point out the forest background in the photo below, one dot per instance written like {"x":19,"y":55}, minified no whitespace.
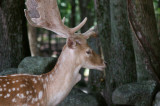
{"x":128,"y":39}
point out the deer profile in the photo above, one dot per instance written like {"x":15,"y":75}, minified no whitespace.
{"x":51,"y":88}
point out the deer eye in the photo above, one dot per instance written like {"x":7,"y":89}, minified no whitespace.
{"x":88,"y":51}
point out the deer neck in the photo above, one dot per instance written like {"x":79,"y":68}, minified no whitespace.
{"x":63,"y":77}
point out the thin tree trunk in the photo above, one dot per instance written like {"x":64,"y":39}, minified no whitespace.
{"x":14,"y":44}
{"x":49,"y":42}
{"x":73,"y":14}
{"x":32,"y":35}
{"x":158,"y":3}
{"x":85,"y":11}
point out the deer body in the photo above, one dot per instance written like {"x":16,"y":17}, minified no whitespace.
{"x":43,"y":90}
{"x":51,"y":88}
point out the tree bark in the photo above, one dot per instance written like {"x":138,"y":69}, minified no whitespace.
{"x":96,"y":78}
{"x":116,"y":41}
{"x":13,"y":34}
{"x":147,"y":48}
{"x":158,"y":3}
{"x":32,"y":35}
{"x":73,"y":14}
{"x":86,"y":11}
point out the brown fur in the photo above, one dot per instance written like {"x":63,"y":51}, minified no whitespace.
{"x":54,"y":85}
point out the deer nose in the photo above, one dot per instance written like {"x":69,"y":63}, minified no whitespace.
{"x":105,"y":63}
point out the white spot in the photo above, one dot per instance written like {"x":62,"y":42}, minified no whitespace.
{"x":17,"y":81}
{"x":22,"y":85}
{"x":34,"y":80}
{"x":0,"y":89}
{"x":50,"y":75}
{"x":13,"y":89}
{"x":5,"y":96}
{"x":4,"y":85}
{"x":7,"y":82}
{"x":42,"y":80}
{"x":44,"y":86}
{"x":13,"y":100}
{"x":36,"y":99}
{"x":32,"y":100}
{"x":21,"y":95}
{"x":14,"y":75}
{"x":0,"y":95}
{"x":47,"y":79}
{"x":13,"y":82}
{"x":17,"y":89}
{"x":8,"y":95}
{"x":27,"y":92}
{"x":9,"y":90}
{"x":40,"y":94}
{"x":5,"y":89}
{"x":35,"y":91}
{"x":18,"y":94}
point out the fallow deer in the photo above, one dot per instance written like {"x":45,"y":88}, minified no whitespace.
{"x":51,"y":88}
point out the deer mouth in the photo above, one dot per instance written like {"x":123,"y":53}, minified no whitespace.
{"x":101,"y":68}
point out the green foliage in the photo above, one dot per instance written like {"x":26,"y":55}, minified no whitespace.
{"x":156,"y":7}
{"x":65,"y":9}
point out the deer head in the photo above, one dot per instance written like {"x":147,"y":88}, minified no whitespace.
{"x":51,"y":88}
{"x":46,"y":14}
{"x":85,"y":56}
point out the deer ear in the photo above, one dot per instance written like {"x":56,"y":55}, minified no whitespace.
{"x":71,"y":43}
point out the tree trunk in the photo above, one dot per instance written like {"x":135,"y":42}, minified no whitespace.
{"x":158,"y":3}
{"x":96,"y":78}
{"x":49,"y":42}
{"x":73,"y":14}
{"x":116,"y":41}
{"x":32,"y":35}
{"x":147,"y":49}
{"x":13,"y":34}
{"x":86,"y":11}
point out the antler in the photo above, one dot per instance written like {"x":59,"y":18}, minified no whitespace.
{"x":91,"y":32}
{"x":45,"y":14}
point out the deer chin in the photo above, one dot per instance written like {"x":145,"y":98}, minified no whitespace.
{"x":100,"y":68}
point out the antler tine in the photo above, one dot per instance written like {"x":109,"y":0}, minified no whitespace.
{"x":73,"y":30}
{"x":91,"y":32}
{"x":48,"y":17}
{"x":63,"y":20}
